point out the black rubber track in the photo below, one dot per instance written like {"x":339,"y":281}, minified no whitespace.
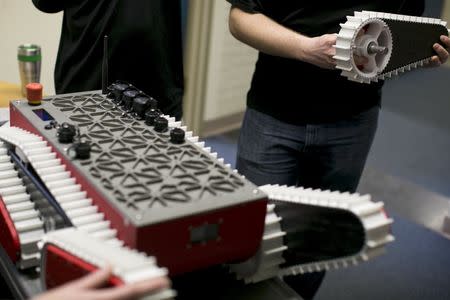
{"x":412,"y":42}
{"x":316,"y":233}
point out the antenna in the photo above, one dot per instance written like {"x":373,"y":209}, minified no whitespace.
{"x":105,"y":66}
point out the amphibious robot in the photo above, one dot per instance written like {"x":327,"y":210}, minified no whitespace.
{"x":103,"y":177}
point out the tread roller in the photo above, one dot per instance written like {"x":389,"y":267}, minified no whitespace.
{"x":312,"y":230}
{"x":374,"y":46}
{"x":59,"y":182}
{"x":89,"y":247}
{"x":21,"y":226}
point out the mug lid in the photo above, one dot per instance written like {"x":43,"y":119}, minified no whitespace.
{"x":29,"y":52}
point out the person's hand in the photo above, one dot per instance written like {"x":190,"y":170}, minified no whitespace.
{"x":90,"y":286}
{"x":442,"y":52}
{"x":320,"y":50}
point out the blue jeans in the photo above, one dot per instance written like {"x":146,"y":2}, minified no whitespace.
{"x":328,"y":156}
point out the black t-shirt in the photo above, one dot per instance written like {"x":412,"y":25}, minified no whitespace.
{"x":144,"y":46}
{"x":298,"y":92}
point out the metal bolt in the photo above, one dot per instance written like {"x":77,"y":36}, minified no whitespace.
{"x":373,"y":48}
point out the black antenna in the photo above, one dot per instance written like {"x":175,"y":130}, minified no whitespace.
{"x":105,"y":66}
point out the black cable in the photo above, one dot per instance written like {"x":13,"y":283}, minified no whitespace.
{"x":105,"y":66}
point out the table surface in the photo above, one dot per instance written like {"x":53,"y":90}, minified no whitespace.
{"x":8,"y":92}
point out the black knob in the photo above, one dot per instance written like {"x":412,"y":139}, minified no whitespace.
{"x":177,"y":136}
{"x":128,"y":97}
{"x":151,"y":116}
{"x":117,"y":91}
{"x":161,"y":124}
{"x":66,"y":133}
{"x":140,"y":105}
{"x":110,"y":90}
{"x":83,"y":150}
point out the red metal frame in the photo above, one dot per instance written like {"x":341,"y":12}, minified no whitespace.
{"x":240,"y":230}
{"x":60,"y":267}
{"x":8,"y":234}
{"x":170,"y":241}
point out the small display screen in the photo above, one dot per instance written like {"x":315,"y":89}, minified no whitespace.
{"x":43,"y":114}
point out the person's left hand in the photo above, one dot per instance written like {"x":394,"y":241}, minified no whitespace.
{"x":90,"y":287}
{"x":442,"y":52}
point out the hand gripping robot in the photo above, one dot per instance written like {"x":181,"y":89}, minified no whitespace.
{"x":97,"y":178}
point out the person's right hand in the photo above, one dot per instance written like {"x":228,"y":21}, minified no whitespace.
{"x":442,"y":52}
{"x":320,"y":50}
{"x":90,"y":286}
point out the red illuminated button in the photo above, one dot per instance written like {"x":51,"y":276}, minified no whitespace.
{"x":34,"y":93}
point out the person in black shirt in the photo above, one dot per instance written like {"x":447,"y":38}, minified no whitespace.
{"x":293,"y":132}
{"x":145,"y":46}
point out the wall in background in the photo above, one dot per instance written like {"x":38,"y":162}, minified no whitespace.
{"x":218,"y":70}
{"x":446,"y":11}
{"x":229,"y":62}
{"x":21,"y":22}
{"x":230,"y":67}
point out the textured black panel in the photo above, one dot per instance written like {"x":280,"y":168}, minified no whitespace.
{"x":315,"y":233}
